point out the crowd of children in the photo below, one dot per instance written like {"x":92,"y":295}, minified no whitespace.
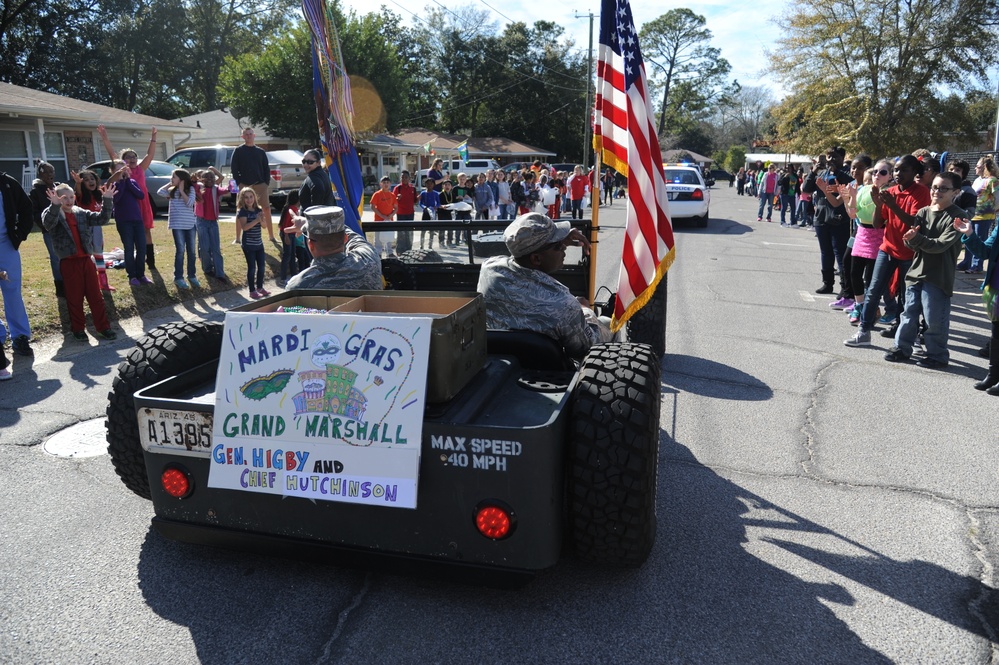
{"x":895,"y":229}
{"x":490,"y":195}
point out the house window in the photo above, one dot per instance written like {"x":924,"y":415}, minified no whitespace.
{"x":55,"y":153}
{"x":13,"y":153}
{"x":20,"y":149}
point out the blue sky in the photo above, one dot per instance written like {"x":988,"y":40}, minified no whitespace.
{"x":741,"y":30}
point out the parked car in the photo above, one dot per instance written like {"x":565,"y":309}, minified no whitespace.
{"x":285,"y":166}
{"x":687,"y":193}
{"x":157,"y":175}
{"x":715,"y":175}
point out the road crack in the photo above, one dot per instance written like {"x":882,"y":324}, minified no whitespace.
{"x":343,"y":617}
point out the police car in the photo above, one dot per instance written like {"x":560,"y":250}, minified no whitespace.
{"x":687,"y":192}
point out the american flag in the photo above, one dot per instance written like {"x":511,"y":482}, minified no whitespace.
{"x":625,"y":134}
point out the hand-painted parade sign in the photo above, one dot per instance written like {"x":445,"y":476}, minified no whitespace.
{"x":323,"y":406}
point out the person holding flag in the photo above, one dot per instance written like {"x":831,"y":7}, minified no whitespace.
{"x":624,"y":137}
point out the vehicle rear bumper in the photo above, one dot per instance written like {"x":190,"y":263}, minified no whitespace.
{"x":329,"y":553}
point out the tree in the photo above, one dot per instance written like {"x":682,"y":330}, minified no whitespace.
{"x":257,"y":85}
{"x":220,"y":29}
{"x":982,"y":109}
{"x":675,"y":47}
{"x":883,"y":90}
{"x":274,"y":86}
{"x":745,"y":116}
{"x":736,"y":158}
{"x":548,"y":86}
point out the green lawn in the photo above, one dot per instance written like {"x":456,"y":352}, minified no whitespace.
{"x":48,"y":314}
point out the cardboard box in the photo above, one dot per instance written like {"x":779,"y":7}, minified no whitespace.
{"x":457,"y":335}
{"x":313,"y":300}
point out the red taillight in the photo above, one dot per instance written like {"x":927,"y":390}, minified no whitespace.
{"x":697,"y":195}
{"x":493,"y":522}
{"x":176,"y":482}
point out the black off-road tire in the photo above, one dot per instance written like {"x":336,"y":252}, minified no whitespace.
{"x":166,"y":351}
{"x":397,"y":275}
{"x":613,"y":459}
{"x":420,"y":256}
{"x":648,"y":325}
{"x":489,"y":244}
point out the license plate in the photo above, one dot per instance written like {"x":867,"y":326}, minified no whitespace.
{"x":671,"y":195}
{"x":165,"y":430}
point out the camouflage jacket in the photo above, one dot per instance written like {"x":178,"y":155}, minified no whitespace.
{"x":519,"y":298}
{"x":357,"y":267}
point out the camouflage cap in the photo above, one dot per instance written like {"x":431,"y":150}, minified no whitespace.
{"x":323,"y":221}
{"x":529,"y":233}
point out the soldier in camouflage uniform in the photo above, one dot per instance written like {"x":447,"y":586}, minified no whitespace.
{"x":521,"y":294}
{"x":343,"y":259}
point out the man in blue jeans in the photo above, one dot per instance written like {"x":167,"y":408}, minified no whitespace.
{"x":789,"y":188}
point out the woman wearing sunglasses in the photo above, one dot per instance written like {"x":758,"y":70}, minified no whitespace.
{"x":317,"y":189}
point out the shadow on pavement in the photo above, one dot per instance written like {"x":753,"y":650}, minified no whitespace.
{"x":25,"y":389}
{"x":700,"y":376}
{"x":706,"y":595}
{"x":715,"y":226}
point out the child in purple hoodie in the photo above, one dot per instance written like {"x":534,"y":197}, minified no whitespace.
{"x":128,"y":220}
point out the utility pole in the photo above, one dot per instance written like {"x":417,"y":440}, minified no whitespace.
{"x":588,"y":110}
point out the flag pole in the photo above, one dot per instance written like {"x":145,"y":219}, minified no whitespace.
{"x":595,"y":222}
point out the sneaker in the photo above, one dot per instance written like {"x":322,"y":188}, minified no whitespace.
{"x":824,"y":289}
{"x":145,"y":280}
{"x":263,"y":292}
{"x":896,"y":355}
{"x":223,"y":279}
{"x":855,"y":314}
{"x":21,"y":346}
{"x":108,"y":334}
{"x":842,"y":303}
{"x":255,"y":295}
{"x":759,"y":219}
{"x":918,"y":350}
{"x":182,"y":284}
{"x":80,"y":335}
{"x":194,"y":282}
{"x":886,"y":319}
{"x":930,"y":363}
{"x":861,"y":338}
{"x":890,"y":332}
{"x":5,"y":375}
{"x":134,"y":282}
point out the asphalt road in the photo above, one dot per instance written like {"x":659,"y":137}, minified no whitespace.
{"x":817,"y":505}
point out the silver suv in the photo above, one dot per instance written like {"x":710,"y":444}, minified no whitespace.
{"x":286,"y":169}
